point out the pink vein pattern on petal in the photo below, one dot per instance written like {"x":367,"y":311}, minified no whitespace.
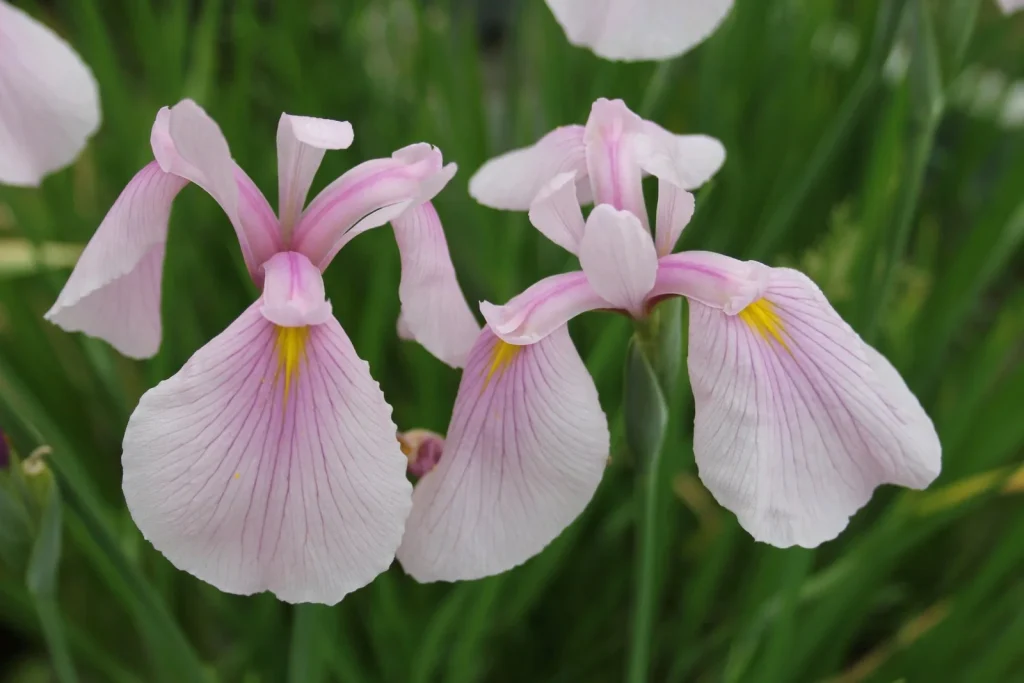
{"x":114,"y":291}
{"x":525,"y":451}
{"x":304,"y":496}
{"x":797,"y":420}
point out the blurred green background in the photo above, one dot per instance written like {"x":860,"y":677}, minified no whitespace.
{"x":876,"y":144}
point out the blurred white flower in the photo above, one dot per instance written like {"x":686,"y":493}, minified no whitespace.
{"x":1009,"y":6}
{"x":49,"y":101}
{"x":633,"y":30}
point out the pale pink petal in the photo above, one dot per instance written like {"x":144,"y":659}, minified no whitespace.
{"x":114,"y":291}
{"x":525,"y":451}
{"x":512,"y":180}
{"x":1010,"y":6}
{"x":675,"y":209}
{"x":369,"y":196}
{"x":556,"y":212}
{"x":543,"y":308}
{"x":618,"y":257}
{"x":797,"y":420}
{"x":301,"y":144}
{"x":434,"y":311}
{"x":293,"y":291}
{"x":712,"y":279}
{"x":686,"y":161}
{"x":189,"y":144}
{"x":639,"y":29}
{"x":269,"y":463}
{"x":49,"y":101}
{"x":616,"y":143}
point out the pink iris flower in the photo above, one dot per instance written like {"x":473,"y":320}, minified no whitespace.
{"x":49,"y":101}
{"x":797,"y":419}
{"x":639,"y":29}
{"x":269,"y":461}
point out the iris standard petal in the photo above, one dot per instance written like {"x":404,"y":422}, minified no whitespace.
{"x":543,"y":308}
{"x":525,"y":451}
{"x":639,"y":29}
{"x":114,"y":291}
{"x":797,"y":420}
{"x":189,"y":144}
{"x":434,"y":311}
{"x":269,"y":462}
{"x":618,"y":257}
{"x":512,"y":180}
{"x":49,"y":101}
{"x":615,"y":145}
{"x":556,"y":212}
{"x":369,"y":196}
{"x":301,"y":144}
{"x":675,"y":209}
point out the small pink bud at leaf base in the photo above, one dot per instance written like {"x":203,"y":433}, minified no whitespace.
{"x":423,"y":448}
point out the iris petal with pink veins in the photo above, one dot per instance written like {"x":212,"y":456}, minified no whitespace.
{"x":50,"y":104}
{"x":797,"y":419}
{"x":524,"y":453}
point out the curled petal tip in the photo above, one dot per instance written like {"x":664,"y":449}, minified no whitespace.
{"x":293,"y":292}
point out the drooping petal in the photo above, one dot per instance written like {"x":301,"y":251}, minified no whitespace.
{"x":556,"y":212}
{"x":369,"y":196}
{"x":301,"y":144}
{"x":615,"y":145}
{"x":1010,"y":6}
{"x":797,"y":420}
{"x":114,"y":291}
{"x":618,"y":257}
{"x":686,"y":161}
{"x":512,"y":180}
{"x":543,"y":308}
{"x":189,"y":144}
{"x":269,"y":462}
{"x":49,"y":101}
{"x":714,"y":280}
{"x":525,"y":451}
{"x":293,"y":291}
{"x":675,"y":209}
{"x":639,"y":29}
{"x":434,"y":311}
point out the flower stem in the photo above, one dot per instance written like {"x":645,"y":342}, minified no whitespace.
{"x":652,"y":369}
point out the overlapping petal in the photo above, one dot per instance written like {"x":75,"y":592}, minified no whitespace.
{"x":301,"y":144}
{"x":434,"y":311}
{"x":49,"y":100}
{"x":618,"y":258}
{"x":639,"y":29}
{"x":512,"y":180}
{"x":712,"y":279}
{"x":556,"y":212}
{"x":616,"y":145}
{"x":525,"y":451}
{"x":114,"y":291}
{"x":543,"y":308}
{"x":369,"y":196}
{"x":293,"y":291}
{"x":797,"y":420}
{"x":675,"y":209}
{"x":269,"y":462}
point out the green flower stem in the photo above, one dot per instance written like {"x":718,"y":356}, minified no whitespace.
{"x":652,"y":370}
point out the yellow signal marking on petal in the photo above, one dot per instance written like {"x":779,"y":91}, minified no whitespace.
{"x":501,"y":357}
{"x":762,"y":318}
{"x":291,"y":349}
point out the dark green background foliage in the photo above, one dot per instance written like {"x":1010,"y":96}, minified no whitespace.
{"x":898,"y":191}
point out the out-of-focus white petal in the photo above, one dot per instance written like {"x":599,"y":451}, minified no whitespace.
{"x":293,"y":291}
{"x":639,"y":29}
{"x":512,"y":180}
{"x":618,"y":257}
{"x":114,"y":291}
{"x":543,"y":308}
{"x":269,"y":462}
{"x":189,"y":144}
{"x":301,"y":144}
{"x":797,"y":420}
{"x":49,"y":101}
{"x":675,"y":209}
{"x":556,"y":212}
{"x":1010,"y":6}
{"x":368,"y":196}
{"x":525,"y":451}
{"x":434,"y":311}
